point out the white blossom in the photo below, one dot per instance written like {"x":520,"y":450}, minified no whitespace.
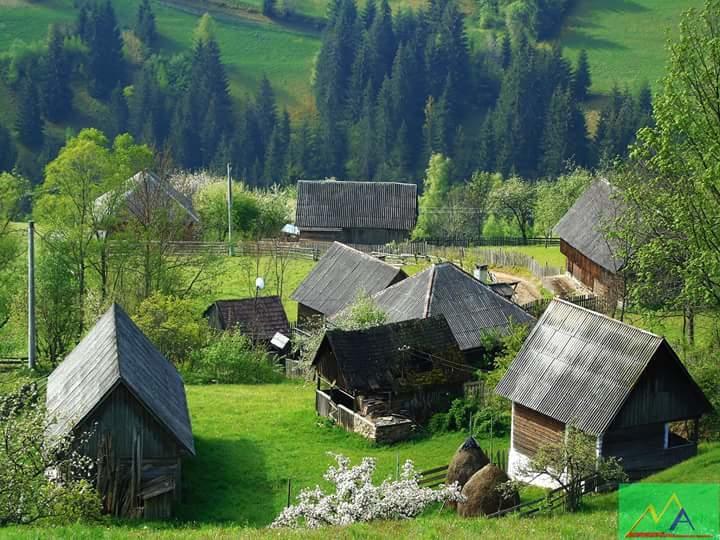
{"x":355,"y":497}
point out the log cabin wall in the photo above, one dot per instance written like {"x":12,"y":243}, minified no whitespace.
{"x":532,"y":429}
{"x":601,"y":281}
{"x":306,"y":316}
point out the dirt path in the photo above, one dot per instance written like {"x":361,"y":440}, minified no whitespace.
{"x":564,"y":286}
{"x":526,"y":290}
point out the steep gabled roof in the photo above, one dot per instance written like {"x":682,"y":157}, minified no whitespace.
{"x":340,"y":275}
{"x":584,"y":225}
{"x":331,"y":204}
{"x":145,"y":193}
{"x":375,"y":358}
{"x":115,"y":351}
{"x":472,"y":309}
{"x":260,"y":317}
{"x":579,"y":367}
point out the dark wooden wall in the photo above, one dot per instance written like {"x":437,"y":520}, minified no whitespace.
{"x":532,"y":429}
{"x":357,"y":236}
{"x":664,"y":393}
{"x":595,"y":277}
{"x":122,"y":415}
{"x":213,"y":317}
{"x":307,"y":316}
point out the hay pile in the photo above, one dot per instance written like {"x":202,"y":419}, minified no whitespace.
{"x":468,"y":459}
{"x":482,"y":497}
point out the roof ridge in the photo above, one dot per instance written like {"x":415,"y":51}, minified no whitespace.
{"x":596,"y":313}
{"x":328,"y":181}
{"x":365,"y":255}
{"x":429,"y":294}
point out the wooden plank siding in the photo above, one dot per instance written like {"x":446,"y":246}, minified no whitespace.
{"x":122,"y":415}
{"x":532,"y":429}
{"x":601,"y":281}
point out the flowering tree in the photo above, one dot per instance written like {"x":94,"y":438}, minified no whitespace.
{"x":41,"y":477}
{"x":356,"y":498}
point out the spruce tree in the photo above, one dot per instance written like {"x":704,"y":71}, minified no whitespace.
{"x":555,"y":136}
{"x":119,"y":111}
{"x":55,"y":89}
{"x":368,"y":14}
{"x":29,"y":123}
{"x":145,"y":27}
{"x":266,"y":111}
{"x":8,"y":151}
{"x":105,"y":56}
{"x":581,"y":78}
{"x":268,"y":8}
{"x":506,"y":51}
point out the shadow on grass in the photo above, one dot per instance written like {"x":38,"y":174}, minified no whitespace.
{"x":227,"y":482}
{"x":578,"y":39}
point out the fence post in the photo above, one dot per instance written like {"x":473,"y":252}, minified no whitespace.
{"x":288,"y":491}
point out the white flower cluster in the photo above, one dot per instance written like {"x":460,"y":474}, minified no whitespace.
{"x":356,"y":498}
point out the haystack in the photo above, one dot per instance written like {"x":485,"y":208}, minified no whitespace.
{"x":468,"y":459}
{"x":481,"y":494}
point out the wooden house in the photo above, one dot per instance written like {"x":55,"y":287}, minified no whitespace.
{"x":389,"y":376}
{"x":623,"y":386}
{"x":593,"y":258}
{"x":356,"y":212}
{"x":118,"y":388}
{"x":147,"y":199}
{"x":472,"y":309}
{"x":337,"y":279}
{"x":260,"y":318}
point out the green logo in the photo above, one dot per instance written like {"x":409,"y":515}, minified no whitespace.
{"x":668,"y":511}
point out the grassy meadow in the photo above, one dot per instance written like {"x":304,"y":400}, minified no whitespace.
{"x":625,"y":39}
{"x":251,"y":439}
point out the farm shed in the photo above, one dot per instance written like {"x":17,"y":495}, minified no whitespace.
{"x":340,"y":275}
{"x":623,"y":386}
{"x":116,"y":386}
{"x":592,"y":257}
{"x":356,"y":212}
{"x":405,"y":370}
{"x":260,"y":318}
{"x":146,"y":198}
{"x":472,"y":308}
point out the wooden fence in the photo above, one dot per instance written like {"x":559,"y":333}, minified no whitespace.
{"x":12,"y":362}
{"x":475,"y":390}
{"x":589,"y":301}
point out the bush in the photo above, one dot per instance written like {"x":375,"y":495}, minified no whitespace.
{"x":231,"y":358}
{"x":172,"y":325}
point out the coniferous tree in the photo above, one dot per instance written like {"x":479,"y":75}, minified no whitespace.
{"x":119,"y":111}
{"x":8,"y":152}
{"x":105,"y":56}
{"x":555,"y":136}
{"x":266,"y":111}
{"x":29,"y":123}
{"x":145,"y":27}
{"x":581,"y":78}
{"x":384,"y":126}
{"x":55,"y":89}
{"x":268,"y":8}
{"x":368,"y":14}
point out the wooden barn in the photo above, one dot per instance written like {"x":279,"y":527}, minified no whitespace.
{"x":145,"y":199}
{"x":356,"y":212}
{"x":592,"y":257}
{"x":472,"y":308}
{"x":380,"y":380}
{"x":340,"y":275}
{"x":117,"y":387}
{"x":260,"y":318}
{"x":623,"y":386}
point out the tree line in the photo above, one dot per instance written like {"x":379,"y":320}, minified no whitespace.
{"x":389,"y":91}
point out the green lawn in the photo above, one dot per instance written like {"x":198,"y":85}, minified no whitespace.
{"x":251,"y":439}
{"x":625,"y":39}
{"x":250,"y":49}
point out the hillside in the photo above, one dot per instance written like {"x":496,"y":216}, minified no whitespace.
{"x":625,"y":39}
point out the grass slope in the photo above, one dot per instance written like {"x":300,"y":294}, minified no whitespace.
{"x":249,"y":48}
{"x":625,"y":39}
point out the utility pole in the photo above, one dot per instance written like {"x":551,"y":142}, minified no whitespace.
{"x":31,"y":295}
{"x":229,"y":209}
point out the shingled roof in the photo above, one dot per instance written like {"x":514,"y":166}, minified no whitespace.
{"x":472,"y":309}
{"x":584,"y":225}
{"x":372,"y":359}
{"x":115,"y":351}
{"x":340,"y":275}
{"x":579,"y":367}
{"x":261,"y":317}
{"x":144,"y":193}
{"x":331,"y":204}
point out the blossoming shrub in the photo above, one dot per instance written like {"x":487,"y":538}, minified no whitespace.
{"x":355,"y":497}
